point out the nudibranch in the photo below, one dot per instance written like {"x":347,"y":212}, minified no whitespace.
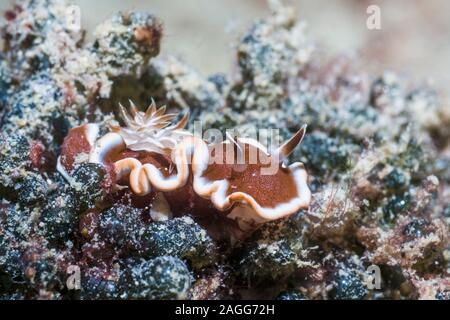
{"x":238,"y":176}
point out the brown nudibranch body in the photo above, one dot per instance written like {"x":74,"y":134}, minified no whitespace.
{"x":238,"y":176}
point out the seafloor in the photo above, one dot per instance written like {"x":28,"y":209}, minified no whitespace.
{"x":377,"y":152}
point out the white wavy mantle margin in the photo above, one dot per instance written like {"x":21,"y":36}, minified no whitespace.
{"x":142,"y":177}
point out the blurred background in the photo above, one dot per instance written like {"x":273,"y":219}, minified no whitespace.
{"x":414,"y":38}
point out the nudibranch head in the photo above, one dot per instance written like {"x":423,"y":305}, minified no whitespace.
{"x":260,"y":188}
{"x":238,"y":177}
